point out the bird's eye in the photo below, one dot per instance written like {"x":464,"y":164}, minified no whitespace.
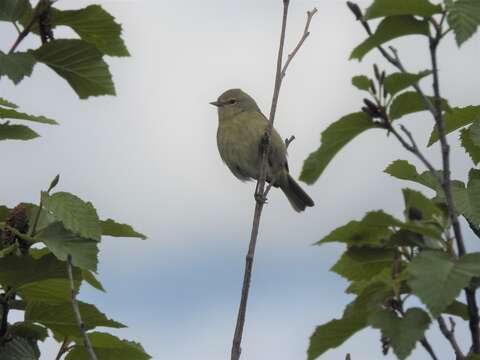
{"x":232,"y":101}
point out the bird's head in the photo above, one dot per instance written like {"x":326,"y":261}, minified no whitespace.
{"x":233,"y":102}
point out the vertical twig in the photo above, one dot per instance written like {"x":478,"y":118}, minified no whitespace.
{"x":260,"y":187}
{"x":76,"y":310}
{"x":450,"y":336}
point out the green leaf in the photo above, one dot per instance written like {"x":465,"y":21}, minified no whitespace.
{"x":61,"y":319}
{"x":12,"y":10}
{"x":112,"y":228}
{"x":7,"y":103}
{"x":403,"y":333}
{"x":16,"y":132}
{"x":16,"y":66}
{"x":108,"y":347}
{"x":463,"y":16}
{"x":13,"y":114}
{"x":411,"y":102}
{"x":381,"y":8}
{"x":19,"y":349}
{"x":334,"y":333}
{"x":363,"y":263}
{"x":28,"y":330}
{"x":62,"y":243}
{"x":78,"y":216}
{"x":425,"y":206}
{"x":390,"y":28}
{"x":402,"y":169}
{"x":455,"y":119}
{"x":4,"y":211}
{"x":396,"y":82}
{"x":361,"y":82}
{"x":334,"y":138}
{"x":92,"y":280}
{"x":80,"y":64}
{"x":44,"y":279}
{"x":458,"y":309}
{"x":470,"y":147}
{"x":94,"y":25}
{"x":475,"y":132}
{"x":437,"y":279}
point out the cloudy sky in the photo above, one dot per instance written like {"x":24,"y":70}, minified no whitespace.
{"x":149,"y":157}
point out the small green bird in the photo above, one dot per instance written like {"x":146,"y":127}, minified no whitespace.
{"x":241,"y":127}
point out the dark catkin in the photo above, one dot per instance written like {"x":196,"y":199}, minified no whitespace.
{"x":17,"y":219}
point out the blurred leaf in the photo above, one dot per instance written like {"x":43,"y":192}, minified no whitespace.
{"x":112,"y":228}
{"x":361,"y":82}
{"x":381,"y":8}
{"x":94,"y":25}
{"x":403,"y":333}
{"x":455,"y":119}
{"x":357,"y":287}
{"x":411,"y":102}
{"x":463,"y":16}
{"x":4,"y":211}
{"x":80,"y":63}
{"x":19,"y":349}
{"x":13,"y":114}
{"x":467,"y":143}
{"x":390,"y":28}
{"x":28,"y":330}
{"x":437,"y":279}
{"x":78,"y":216}
{"x":44,"y":279}
{"x":61,"y":319}
{"x":396,"y":82}
{"x":334,"y":138}
{"x":62,"y":242}
{"x":92,"y":280}
{"x":458,"y":309}
{"x":108,"y":347}
{"x":12,"y":10}
{"x":416,"y":200}
{"x":363,"y":263}
{"x":16,"y":132}
{"x":475,"y":132}
{"x":16,"y":66}
{"x":7,"y":103}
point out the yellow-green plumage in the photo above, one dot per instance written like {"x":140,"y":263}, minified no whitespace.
{"x":241,"y":127}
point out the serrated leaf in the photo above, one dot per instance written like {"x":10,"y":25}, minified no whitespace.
{"x":16,"y":132}
{"x":62,"y":243}
{"x":402,"y":169}
{"x":363,"y":263}
{"x":403,"y":333}
{"x":13,"y":114}
{"x":16,"y":66}
{"x":80,"y":64}
{"x":108,"y":347}
{"x":361,"y":82}
{"x":463,"y":16}
{"x":20,"y":349}
{"x":61,"y":319}
{"x":411,"y":102}
{"x":44,"y":279}
{"x":333,"y":139}
{"x":7,"y":103}
{"x":112,"y":228}
{"x":425,"y":206}
{"x":467,"y":143}
{"x":455,"y":119}
{"x":335,"y":333}
{"x":12,"y":10}
{"x":76,"y":215}
{"x":459,"y":309}
{"x":28,"y":330}
{"x":92,"y":280}
{"x":390,"y":28}
{"x":396,"y":82}
{"x":94,"y":25}
{"x":381,"y":8}
{"x":437,"y":279}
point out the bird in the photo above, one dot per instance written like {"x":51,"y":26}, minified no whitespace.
{"x":240,"y":135}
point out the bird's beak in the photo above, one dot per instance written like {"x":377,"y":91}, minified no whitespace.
{"x":216,"y":103}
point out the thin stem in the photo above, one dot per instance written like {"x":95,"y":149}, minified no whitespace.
{"x":33,"y":230}
{"x":426,"y":345}
{"x":63,"y":348}
{"x":16,"y":27}
{"x":260,"y":187}
{"x":449,"y":334}
{"x":76,"y":310}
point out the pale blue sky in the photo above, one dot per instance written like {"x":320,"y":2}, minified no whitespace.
{"x":148,"y":157}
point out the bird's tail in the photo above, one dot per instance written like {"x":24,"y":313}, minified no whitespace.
{"x":298,"y":198}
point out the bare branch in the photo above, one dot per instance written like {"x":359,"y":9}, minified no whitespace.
{"x":76,"y":310}
{"x":426,"y":345}
{"x":260,"y":187}
{"x":449,"y":334}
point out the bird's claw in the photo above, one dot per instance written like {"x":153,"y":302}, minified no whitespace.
{"x":260,"y":198}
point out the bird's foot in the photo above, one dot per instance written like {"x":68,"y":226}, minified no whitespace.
{"x":260,"y":198}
